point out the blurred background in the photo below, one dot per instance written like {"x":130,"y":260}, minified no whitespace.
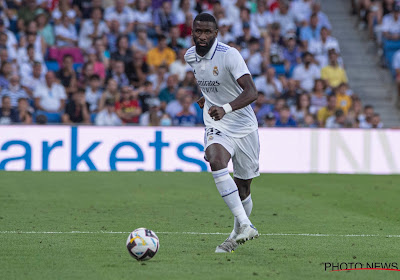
{"x":315,"y":63}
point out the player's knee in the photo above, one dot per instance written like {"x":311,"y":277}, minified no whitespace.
{"x":244,"y":193}
{"x":217,"y":163}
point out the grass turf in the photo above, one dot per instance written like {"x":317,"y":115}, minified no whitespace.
{"x":189,"y":202}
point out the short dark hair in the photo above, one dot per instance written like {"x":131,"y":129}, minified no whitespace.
{"x":207,"y":18}
{"x":94,"y":77}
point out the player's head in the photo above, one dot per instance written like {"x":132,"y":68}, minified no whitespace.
{"x":204,"y":32}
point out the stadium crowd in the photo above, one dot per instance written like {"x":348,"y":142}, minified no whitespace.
{"x":121,"y":62}
{"x":382,"y":20}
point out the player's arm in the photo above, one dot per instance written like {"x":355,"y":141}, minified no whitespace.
{"x":248,"y":96}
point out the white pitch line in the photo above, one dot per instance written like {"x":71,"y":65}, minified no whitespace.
{"x":201,"y":233}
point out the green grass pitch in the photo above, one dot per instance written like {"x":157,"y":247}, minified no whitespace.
{"x":174,"y":204}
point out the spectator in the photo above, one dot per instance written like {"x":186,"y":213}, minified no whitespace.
{"x":67,"y":75}
{"x":128,"y":108}
{"x":343,"y":101}
{"x":262,"y":18}
{"x":322,"y":17}
{"x":253,"y":57}
{"x":142,"y":42}
{"x":174,"y":41}
{"x":27,"y":10}
{"x":14,"y":91}
{"x":8,"y":115}
{"x":98,"y":66}
{"x":153,"y":116}
{"x":376,"y":121}
{"x":93,"y":93}
{"x":176,"y":105}
{"x":31,"y":81}
{"x":244,"y":40}
{"x":102,"y":53}
{"x":179,"y":67}
{"x":123,"y":52}
{"x":77,"y":109}
{"x":165,"y":120}
{"x":138,"y":70}
{"x":285,"y":120}
{"x":185,"y":117}
{"x":107,"y":116}
{"x":309,"y":121}
{"x":260,"y":108}
{"x":318,"y":96}
{"x":142,"y":15}
{"x":269,"y":85}
{"x":370,"y":119}
{"x":113,"y":35}
{"x":159,"y":78}
{"x":5,"y":73}
{"x":333,"y":74}
{"x":311,"y":31}
{"x":190,"y":83}
{"x":118,"y":73}
{"x":50,"y":96}
{"x":184,"y":8}
{"x":164,"y":18}
{"x":11,"y":39}
{"x":284,"y":16}
{"x":146,"y":95}
{"x":244,"y":27}
{"x":274,"y":45}
{"x":270,"y":120}
{"x":111,"y":93}
{"x":336,"y":121}
{"x":27,"y":61}
{"x":391,"y":24}
{"x":320,"y":48}
{"x":45,"y":29}
{"x":396,"y":67}
{"x":291,"y":52}
{"x":224,"y":36}
{"x":168,"y":93}
{"x":161,"y":54}
{"x":186,"y":28}
{"x":66,"y":35}
{"x":327,"y":111}
{"x":121,"y":13}
{"x":307,"y":72}
{"x":91,"y":29}
{"x":24,"y":114}
{"x":302,"y":109}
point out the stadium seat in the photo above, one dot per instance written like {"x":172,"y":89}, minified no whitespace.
{"x":51,"y":117}
{"x":52,"y":65}
{"x":93,"y":117}
{"x":390,"y":45}
{"x":279,"y":68}
{"x":78,"y":67}
{"x":58,"y":54}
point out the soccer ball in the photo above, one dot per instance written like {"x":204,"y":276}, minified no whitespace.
{"x":142,"y":244}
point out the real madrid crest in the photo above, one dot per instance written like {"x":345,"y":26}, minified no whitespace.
{"x":215,"y":71}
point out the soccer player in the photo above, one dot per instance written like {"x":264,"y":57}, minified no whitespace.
{"x":231,"y":125}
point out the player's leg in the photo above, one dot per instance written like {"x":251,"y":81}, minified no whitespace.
{"x":247,"y":202}
{"x":245,"y":167}
{"x":219,"y":157}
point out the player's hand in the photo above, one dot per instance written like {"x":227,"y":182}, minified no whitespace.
{"x":201,"y":102}
{"x":216,"y":113}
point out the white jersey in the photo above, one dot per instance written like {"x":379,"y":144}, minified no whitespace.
{"x":216,"y":74}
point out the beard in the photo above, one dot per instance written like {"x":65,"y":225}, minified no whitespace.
{"x":203,"y":50}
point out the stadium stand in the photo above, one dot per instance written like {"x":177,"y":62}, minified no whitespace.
{"x":121,"y":62}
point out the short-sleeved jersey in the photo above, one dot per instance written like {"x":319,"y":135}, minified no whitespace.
{"x":216,"y":74}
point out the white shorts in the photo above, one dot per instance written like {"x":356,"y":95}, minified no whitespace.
{"x":244,"y":151}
